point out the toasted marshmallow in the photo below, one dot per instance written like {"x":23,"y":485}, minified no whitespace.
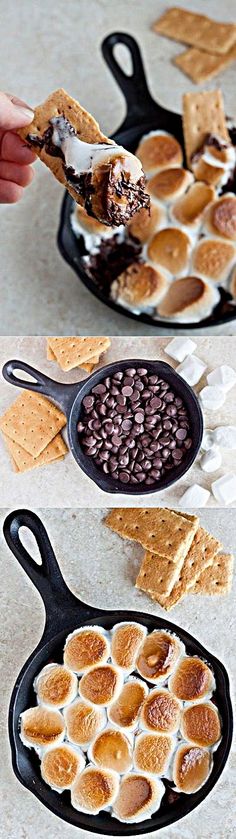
{"x":188,"y":210}
{"x":170,"y":248}
{"x":200,"y":724}
{"x":139,"y":796}
{"x":152,"y":753}
{"x":124,"y":713}
{"x":94,"y":790}
{"x":213,"y":258}
{"x":161,"y":712}
{"x":189,"y":300}
{"x":56,"y":686}
{"x":220,"y":218}
{"x":145,"y":222}
{"x":61,"y":765}
{"x":139,"y":287}
{"x":170,"y":184}
{"x":192,"y":680}
{"x":85,"y":648}
{"x":214,"y":161}
{"x":233,"y":283}
{"x":41,"y":727}
{"x":92,"y":230}
{"x":208,"y":172}
{"x":159,"y":150}
{"x":125,"y":644}
{"x":191,"y":768}
{"x":83,"y":722}
{"x":158,"y":656}
{"x":101,"y":685}
{"x":112,"y":750}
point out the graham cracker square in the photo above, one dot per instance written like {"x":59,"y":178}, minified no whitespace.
{"x":158,"y":530}
{"x":217,"y":579}
{"x":24,"y":461}
{"x":74,"y":351}
{"x":32,"y":422}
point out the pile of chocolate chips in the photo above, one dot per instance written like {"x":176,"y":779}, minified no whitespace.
{"x":134,"y":426}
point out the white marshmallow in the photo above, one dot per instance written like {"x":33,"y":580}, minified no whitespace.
{"x":179,"y":348}
{"x":225,"y":436}
{"x":211,"y":460}
{"x":212,"y":397}
{"x":224,"y":489}
{"x":207,"y":440}
{"x":195,"y":496}
{"x":224,"y":376}
{"x":191,"y":369}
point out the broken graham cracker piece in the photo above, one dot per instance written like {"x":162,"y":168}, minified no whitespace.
{"x":201,"y":66}
{"x":74,"y":351}
{"x":217,"y":579}
{"x":196,"y":29}
{"x":157,"y":574}
{"x":101,"y":176}
{"x":203,"y":113}
{"x":201,"y":554}
{"x":55,"y":450}
{"x":32,"y":421}
{"x":87,"y":366}
{"x":158,"y":530}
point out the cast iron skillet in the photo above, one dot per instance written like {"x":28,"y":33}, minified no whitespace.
{"x":143,"y":115}
{"x":69,"y":397}
{"x":64,"y":613}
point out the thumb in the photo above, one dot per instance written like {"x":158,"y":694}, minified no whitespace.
{"x":14,"y":113}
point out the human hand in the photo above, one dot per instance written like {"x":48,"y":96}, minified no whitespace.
{"x":15,"y":157}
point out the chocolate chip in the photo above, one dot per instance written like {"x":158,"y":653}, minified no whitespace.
{"x":134,"y":426}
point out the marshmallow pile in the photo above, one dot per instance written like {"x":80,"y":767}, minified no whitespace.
{"x":212,"y":397}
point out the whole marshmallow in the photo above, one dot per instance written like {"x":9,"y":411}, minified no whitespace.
{"x":207,"y":440}
{"x":212,"y":398}
{"x":223,"y":376}
{"x":211,"y":460}
{"x":195,"y":496}
{"x":224,"y":489}
{"x":225,"y":436}
{"x":191,"y":369}
{"x":179,"y":348}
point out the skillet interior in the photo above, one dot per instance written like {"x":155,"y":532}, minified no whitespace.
{"x":142,"y":117}
{"x":26,"y":763}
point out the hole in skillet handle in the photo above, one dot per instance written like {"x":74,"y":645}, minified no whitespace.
{"x":173,"y":806}
{"x":180,"y":387}
{"x":143,"y":115}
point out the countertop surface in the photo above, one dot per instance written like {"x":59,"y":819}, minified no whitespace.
{"x":42,"y":50}
{"x":87,"y":551}
{"x":64,"y":484}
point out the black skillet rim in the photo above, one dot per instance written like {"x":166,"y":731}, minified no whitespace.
{"x":148,"y":825}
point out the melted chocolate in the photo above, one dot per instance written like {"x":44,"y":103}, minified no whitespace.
{"x":113,"y":258}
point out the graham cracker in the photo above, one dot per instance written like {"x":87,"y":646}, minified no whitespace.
{"x":24,"y":461}
{"x":201,"y":555}
{"x":197,"y":30}
{"x":203,"y":113}
{"x":158,"y":574}
{"x":158,"y":530}
{"x":73,"y":351}
{"x":89,"y":367}
{"x":217,"y":579}
{"x":201,"y":66}
{"x":32,"y":422}
{"x":60,"y":103}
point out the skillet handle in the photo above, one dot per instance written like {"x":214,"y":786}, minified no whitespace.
{"x":64,"y":394}
{"x":59,"y":602}
{"x":140,"y":104}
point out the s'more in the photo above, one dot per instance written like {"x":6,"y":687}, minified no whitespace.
{"x":100,"y":175}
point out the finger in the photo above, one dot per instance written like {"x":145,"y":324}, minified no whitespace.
{"x":10,"y":193}
{"x":21,"y":175}
{"x":13,"y":148}
{"x":13,"y":112}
